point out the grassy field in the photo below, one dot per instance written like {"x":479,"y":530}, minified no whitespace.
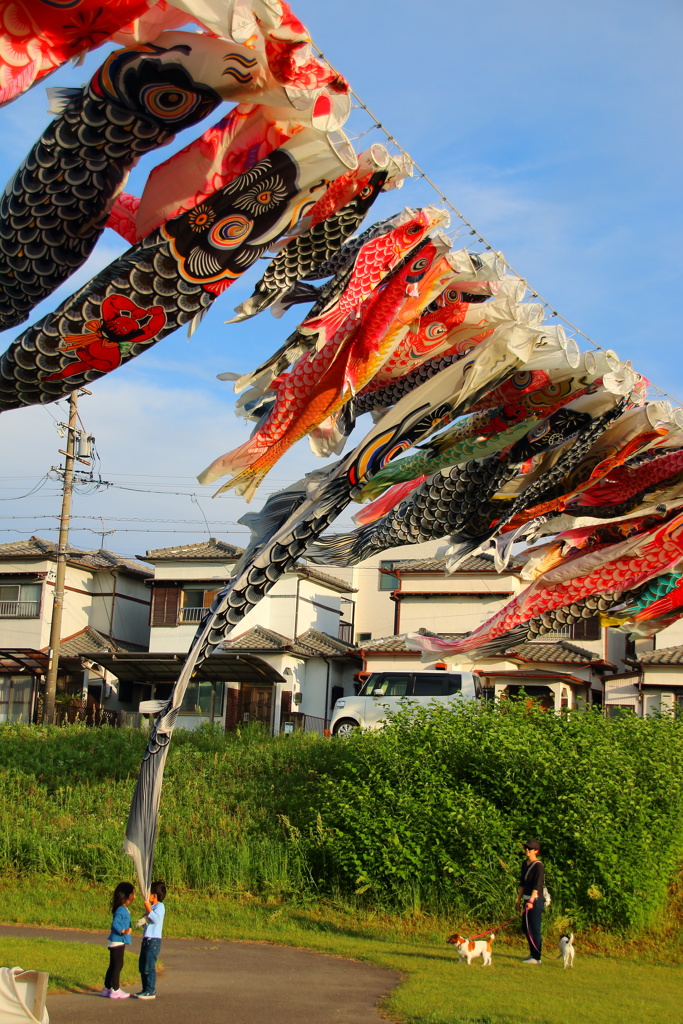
{"x":613,"y":982}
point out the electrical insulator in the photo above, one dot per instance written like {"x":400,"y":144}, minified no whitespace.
{"x":85,"y":446}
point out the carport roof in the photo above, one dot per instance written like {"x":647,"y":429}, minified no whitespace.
{"x":26,"y":659}
{"x":152,"y":667}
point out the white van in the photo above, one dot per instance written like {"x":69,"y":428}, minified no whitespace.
{"x":387,"y":691}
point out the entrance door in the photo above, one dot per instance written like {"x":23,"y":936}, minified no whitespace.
{"x":256,"y":704}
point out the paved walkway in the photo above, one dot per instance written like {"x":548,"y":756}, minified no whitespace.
{"x":212,"y":982}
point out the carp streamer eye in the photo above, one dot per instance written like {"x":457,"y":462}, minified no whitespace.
{"x":168,"y":103}
{"x":230,"y":232}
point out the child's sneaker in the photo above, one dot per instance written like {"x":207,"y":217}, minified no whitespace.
{"x":105,"y":992}
{"x":146,"y":995}
{"x":118,"y":993}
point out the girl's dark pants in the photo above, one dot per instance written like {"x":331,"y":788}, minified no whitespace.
{"x":112,"y":978}
{"x":531,"y":926}
{"x":147,"y":964}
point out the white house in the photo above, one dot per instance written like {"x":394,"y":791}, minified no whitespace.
{"x":559,"y":674}
{"x":106,"y":603}
{"x":653,"y":684}
{"x":288,"y":659}
{"x":409,"y":595}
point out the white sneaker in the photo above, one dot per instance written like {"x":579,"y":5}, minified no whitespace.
{"x":118,"y":993}
{"x":531,"y":960}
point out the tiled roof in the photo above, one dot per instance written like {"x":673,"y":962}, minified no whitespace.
{"x":205,"y":550}
{"x":311,"y":644}
{"x":316,"y":645}
{"x":666,"y":656}
{"x":36,"y":547}
{"x":475,"y":564}
{"x":397,"y":644}
{"x":213,"y":550}
{"x":89,"y":641}
{"x":312,"y":573}
{"x":560,"y":653}
{"x":257,"y":639}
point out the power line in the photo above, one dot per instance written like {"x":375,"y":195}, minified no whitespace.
{"x":131,"y":519}
{"x":41,"y":483}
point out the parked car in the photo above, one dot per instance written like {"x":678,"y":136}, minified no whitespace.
{"x":383,"y":692}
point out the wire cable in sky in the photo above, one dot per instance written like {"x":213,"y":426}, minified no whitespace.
{"x":41,"y":483}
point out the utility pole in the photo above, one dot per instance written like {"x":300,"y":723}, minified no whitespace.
{"x":58,"y":599}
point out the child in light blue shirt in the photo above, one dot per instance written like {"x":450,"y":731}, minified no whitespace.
{"x":151,"y":940}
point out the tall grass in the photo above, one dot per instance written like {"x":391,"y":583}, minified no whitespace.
{"x":66,"y":792}
{"x":427,"y":815}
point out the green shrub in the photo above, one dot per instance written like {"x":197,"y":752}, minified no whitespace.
{"x":428,"y":813}
{"x":436,"y":806}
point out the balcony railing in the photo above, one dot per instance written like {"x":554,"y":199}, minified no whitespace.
{"x":192,"y":614}
{"x":566,"y":633}
{"x":19,"y":609}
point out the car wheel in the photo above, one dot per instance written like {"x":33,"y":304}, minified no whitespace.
{"x":345,"y":728}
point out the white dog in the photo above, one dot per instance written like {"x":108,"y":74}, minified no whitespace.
{"x":469,"y":949}
{"x":566,"y":947}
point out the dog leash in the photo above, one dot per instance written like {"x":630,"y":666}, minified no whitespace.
{"x":549,"y":959}
{"x":489,"y":931}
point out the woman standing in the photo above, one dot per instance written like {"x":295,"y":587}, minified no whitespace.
{"x":530,"y":897}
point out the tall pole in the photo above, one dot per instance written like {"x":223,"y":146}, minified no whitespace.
{"x":58,"y":599}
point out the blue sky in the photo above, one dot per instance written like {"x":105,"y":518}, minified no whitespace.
{"x":555,"y":128}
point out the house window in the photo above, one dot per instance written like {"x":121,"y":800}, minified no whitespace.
{"x":197,"y":700}
{"x":386,"y":581}
{"x":587,"y":629}
{"x":15,"y":698}
{"x":195,"y":602}
{"x":20,"y":600}
{"x":165,"y":605}
{"x":362,"y":637}
{"x":616,"y":710}
{"x":345,"y":632}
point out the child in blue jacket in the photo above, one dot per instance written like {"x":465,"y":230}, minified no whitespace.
{"x":119,"y":938}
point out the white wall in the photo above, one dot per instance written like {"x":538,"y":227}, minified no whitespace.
{"x":131,"y":610}
{"x":622,"y":691}
{"x":318,"y":608}
{"x":663,"y":675}
{"x":446,"y":613}
{"x":672,"y":636}
{"x":181,"y":570}
{"x":374,"y":607}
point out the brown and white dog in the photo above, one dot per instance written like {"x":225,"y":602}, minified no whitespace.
{"x":469,"y":948}
{"x":566,"y":947}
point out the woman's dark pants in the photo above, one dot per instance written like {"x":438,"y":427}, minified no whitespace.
{"x":531,"y":926}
